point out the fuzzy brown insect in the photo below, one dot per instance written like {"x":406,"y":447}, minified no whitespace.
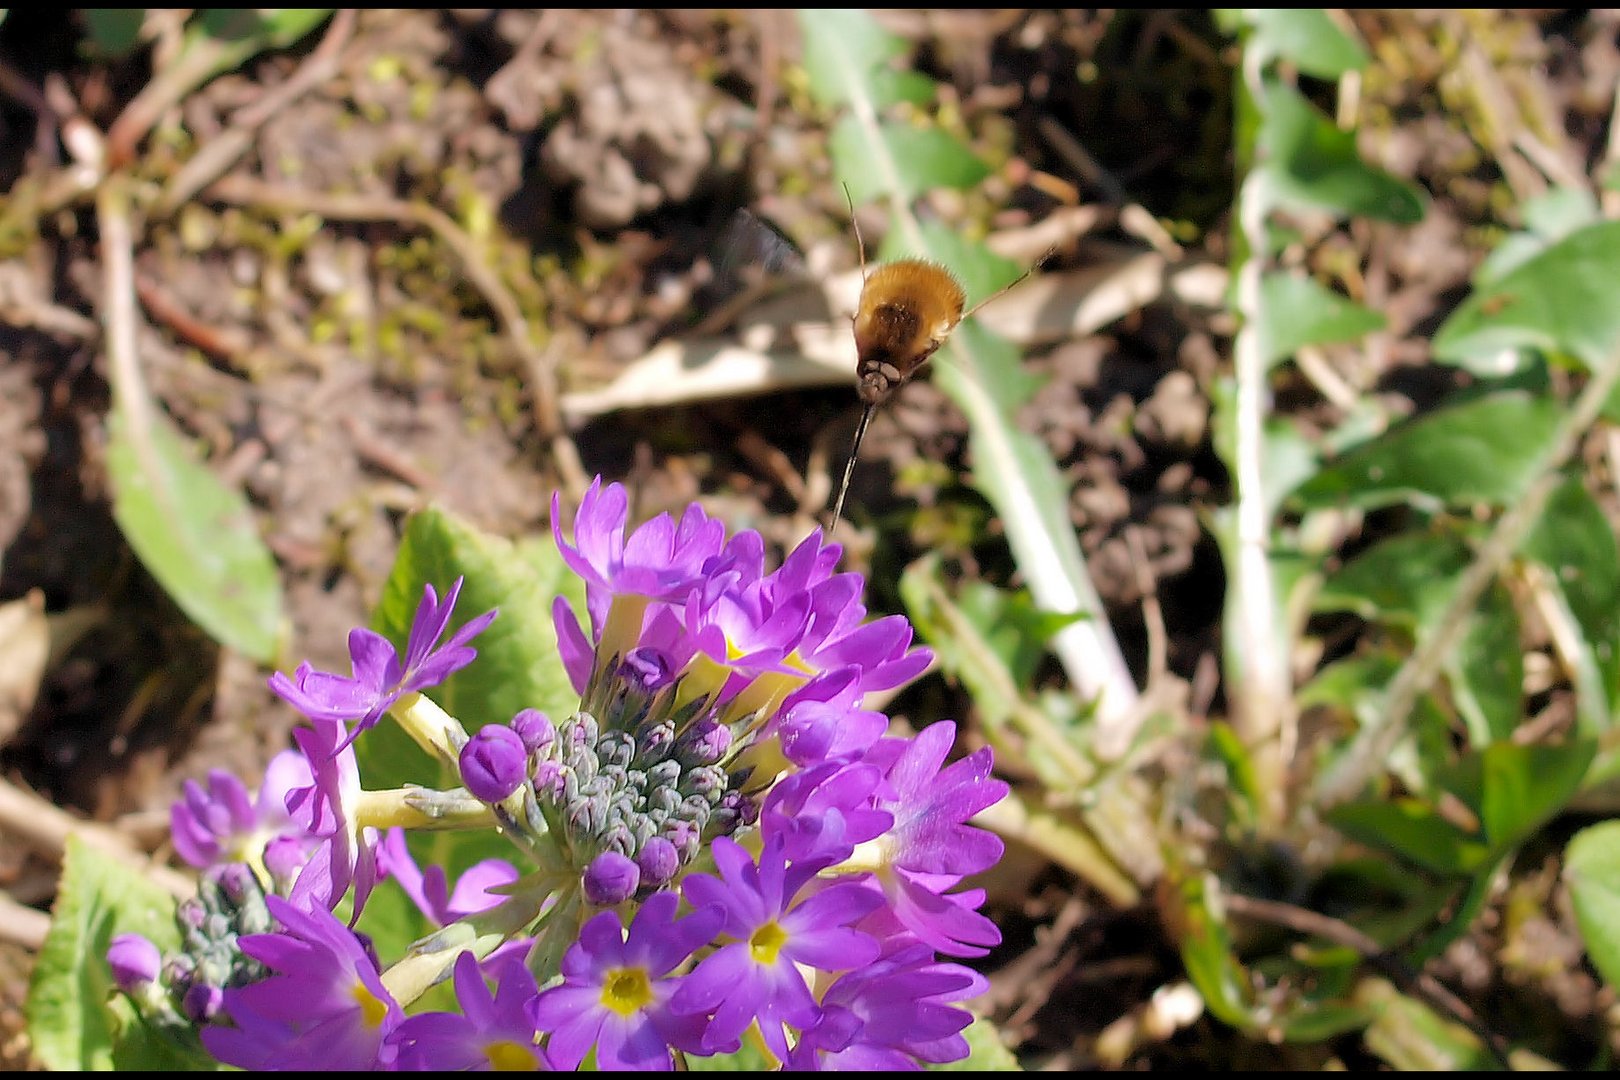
{"x":907,"y":310}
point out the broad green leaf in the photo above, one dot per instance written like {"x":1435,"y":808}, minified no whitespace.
{"x":1310,"y":163}
{"x":517,"y":666}
{"x":1592,"y":868}
{"x":1484,"y":451}
{"x":1012,"y":626}
{"x":196,"y":535}
{"x":1306,"y":37}
{"x":1573,"y":541}
{"x":1564,"y":300}
{"x":910,"y":161}
{"x":1413,"y":830}
{"x":1297,"y":311}
{"x":847,"y":56}
{"x":1548,"y":218}
{"x":1487,"y":670}
{"x":1403,"y":581}
{"x":1344,"y":683}
{"x":114,"y":31}
{"x":1523,"y":787}
{"x":70,"y":1020}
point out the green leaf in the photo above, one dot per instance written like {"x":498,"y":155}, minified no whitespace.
{"x":890,"y":156}
{"x":1487,"y":670}
{"x":265,"y":28}
{"x":1206,"y":952}
{"x":1307,"y":38}
{"x":518,"y":666}
{"x":847,"y":57}
{"x":1297,"y":311}
{"x":1309,"y":163}
{"x":1484,"y":451}
{"x":1592,"y":868}
{"x":1524,"y":786}
{"x":70,"y":1021}
{"x":114,"y":31}
{"x":196,"y":535}
{"x":1573,"y":541}
{"x":1415,"y":831}
{"x":1564,"y":300}
{"x":1410,"y":1036}
{"x":1404,"y":581}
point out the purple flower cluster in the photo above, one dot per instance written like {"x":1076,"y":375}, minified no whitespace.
{"x":721,"y":840}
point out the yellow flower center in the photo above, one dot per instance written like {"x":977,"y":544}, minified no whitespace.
{"x":508,"y":1056}
{"x":373,"y":1009}
{"x":626,"y":990}
{"x":766,"y":942}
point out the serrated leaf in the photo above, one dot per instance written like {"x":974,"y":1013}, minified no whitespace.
{"x":70,"y":1021}
{"x":1484,"y":451}
{"x":196,"y":535}
{"x":1566,"y":300}
{"x":1310,"y":163}
{"x":1307,"y":38}
{"x":889,"y":156}
{"x":1297,"y":311}
{"x":1592,"y":869}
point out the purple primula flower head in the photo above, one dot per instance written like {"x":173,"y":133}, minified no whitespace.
{"x":494,"y":763}
{"x":492,"y":1033}
{"x":134,"y":961}
{"x":474,"y":891}
{"x":890,"y":1014}
{"x":931,"y":847}
{"x":324,"y":1007}
{"x":775,"y":934}
{"x":380,"y":677}
{"x":616,"y":989}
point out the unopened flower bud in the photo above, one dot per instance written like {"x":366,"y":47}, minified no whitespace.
{"x":493,"y":763}
{"x":611,"y":879}
{"x":134,"y":962}
{"x":535,"y":729}
{"x":658,"y":861}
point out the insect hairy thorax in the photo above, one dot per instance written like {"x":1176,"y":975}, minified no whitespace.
{"x":907,"y":309}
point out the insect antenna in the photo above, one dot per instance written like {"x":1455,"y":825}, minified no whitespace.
{"x":1007,"y":288}
{"x":849,"y":467}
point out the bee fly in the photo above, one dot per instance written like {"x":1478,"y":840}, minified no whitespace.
{"x":907,"y":310}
